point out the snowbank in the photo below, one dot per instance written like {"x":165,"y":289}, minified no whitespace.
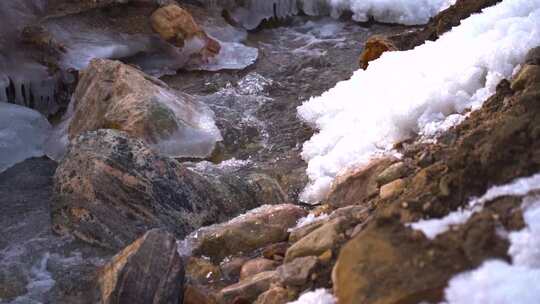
{"x":519,"y":187}
{"x":407,"y":93}
{"x":501,"y":282}
{"x":22,"y":134}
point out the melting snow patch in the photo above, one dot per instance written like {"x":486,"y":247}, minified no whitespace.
{"x":500,"y":282}
{"x":319,"y":296}
{"x":519,"y":187}
{"x":362,"y":116}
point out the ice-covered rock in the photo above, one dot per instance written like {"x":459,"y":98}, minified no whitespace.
{"x":111,"y":95}
{"x":361,"y":117}
{"x":22,"y":134}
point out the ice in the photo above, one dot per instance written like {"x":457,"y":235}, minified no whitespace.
{"x":318,"y":296}
{"x":22,"y":134}
{"x":518,"y":187}
{"x":252,"y":12}
{"x":361,"y":117}
{"x":501,"y":282}
{"x":232,"y":56}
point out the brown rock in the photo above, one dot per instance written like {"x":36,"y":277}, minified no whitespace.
{"x":194,"y":295}
{"x":392,"y":173}
{"x":275,"y":251}
{"x":176,"y":25}
{"x":320,"y":240}
{"x":248,"y":290}
{"x":148,"y":271}
{"x":112,"y":95}
{"x":357,"y":186}
{"x":255,"y":266}
{"x":392,"y":189}
{"x":201,"y":271}
{"x":274,"y":295}
{"x":297,"y":272}
{"x":231,"y":268}
{"x":375,"y":46}
{"x":388,"y":263}
{"x":253,"y":230}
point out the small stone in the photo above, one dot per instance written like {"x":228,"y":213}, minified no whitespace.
{"x":253,"y":267}
{"x":326,"y":257}
{"x":392,"y":189}
{"x":297,"y":272}
{"x":392,"y":173}
{"x":248,"y":289}
{"x":275,"y":295}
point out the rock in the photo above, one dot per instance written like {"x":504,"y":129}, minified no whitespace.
{"x":300,"y":232}
{"x":389,"y":263}
{"x":297,"y":273}
{"x":317,"y":242}
{"x":201,"y":271}
{"x":253,"y":230}
{"x":526,"y":78}
{"x":393,"y":172}
{"x":148,"y":271}
{"x":275,"y":295}
{"x":177,"y":26}
{"x":276,"y":251}
{"x":248,"y":290}
{"x":533,"y":56}
{"x":193,"y":295}
{"x":374,"y":47}
{"x":358,"y":185}
{"x":392,"y":189}
{"x":256,"y":266}
{"x":112,"y":95}
{"x":231,"y":268}
{"x":111,"y":188}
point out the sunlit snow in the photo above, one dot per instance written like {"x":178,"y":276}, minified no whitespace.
{"x":403,"y":93}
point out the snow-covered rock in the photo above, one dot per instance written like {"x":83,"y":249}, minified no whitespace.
{"x":22,"y":134}
{"x":362,"y":117}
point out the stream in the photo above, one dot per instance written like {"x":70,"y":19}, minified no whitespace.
{"x":255,"y":110}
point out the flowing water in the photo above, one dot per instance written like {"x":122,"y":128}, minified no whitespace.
{"x":255,"y":110}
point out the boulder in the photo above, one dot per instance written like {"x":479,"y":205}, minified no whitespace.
{"x":246,"y":233}
{"x":194,"y":295}
{"x":148,"y":271}
{"x":358,"y":185}
{"x":389,"y":263}
{"x":111,"y":188}
{"x":176,"y":25}
{"x":201,"y":271}
{"x":112,"y":95}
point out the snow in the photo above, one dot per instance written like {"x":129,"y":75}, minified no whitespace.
{"x":361,"y":117}
{"x":500,"y":282}
{"x":319,"y":296}
{"x":22,"y":134}
{"x":518,"y":187}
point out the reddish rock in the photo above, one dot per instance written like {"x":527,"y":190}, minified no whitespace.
{"x":256,"y":266}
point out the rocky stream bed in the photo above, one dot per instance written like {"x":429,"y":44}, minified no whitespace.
{"x":152,"y":152}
